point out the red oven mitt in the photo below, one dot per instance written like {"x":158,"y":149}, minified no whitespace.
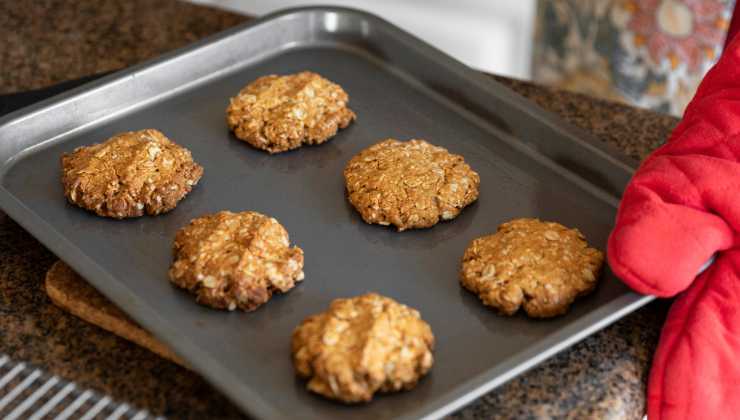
{"x":681,"y":208}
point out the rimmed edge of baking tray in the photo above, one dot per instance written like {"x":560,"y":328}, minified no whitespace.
{"x":245,"y":396}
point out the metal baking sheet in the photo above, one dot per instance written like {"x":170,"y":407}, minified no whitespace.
{"x":530,"y":163}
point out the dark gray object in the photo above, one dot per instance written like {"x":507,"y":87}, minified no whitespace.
{"x":531,"y":165}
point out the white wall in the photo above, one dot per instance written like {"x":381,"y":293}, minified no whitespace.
{"x":491,"y":35}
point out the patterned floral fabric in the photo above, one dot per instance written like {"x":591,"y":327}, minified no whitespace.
{"x":649,"y":53}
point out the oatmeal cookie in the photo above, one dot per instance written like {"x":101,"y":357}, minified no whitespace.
{"x":129,"y":175}
{"x":541,"y":266}
{"x":361,"y":346}
{"x":235,"y":260}
{"x":280,"y":113}
{"x":410,"y":184}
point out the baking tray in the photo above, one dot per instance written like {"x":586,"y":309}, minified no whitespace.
{"x":531,"y":165}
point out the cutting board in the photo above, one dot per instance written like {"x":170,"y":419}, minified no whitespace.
{"x":73,"y":294}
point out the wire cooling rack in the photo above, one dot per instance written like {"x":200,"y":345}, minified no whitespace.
{"x":27,"y":392}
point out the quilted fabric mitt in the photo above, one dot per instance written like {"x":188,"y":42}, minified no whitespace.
{"x":681,"y":208}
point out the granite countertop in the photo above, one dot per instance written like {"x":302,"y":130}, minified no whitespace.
{"x":48,"y":41}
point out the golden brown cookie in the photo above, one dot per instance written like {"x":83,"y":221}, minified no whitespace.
{"x":361,"y":346}
{"x":410,"y":184}
{"x":235,"y":260}
{"x":280,"y":113}
{"x":129,"y":175}
{"x":541,"y":266}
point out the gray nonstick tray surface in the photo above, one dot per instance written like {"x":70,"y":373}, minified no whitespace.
{"x":530,"y":163}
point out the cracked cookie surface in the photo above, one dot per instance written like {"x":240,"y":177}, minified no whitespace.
{"x":280,"y":113}
{"x":129,"y":175}
{"x":409,"y":184}
{"x":360,"y":346}
{"x":235,"y":260}
{"x":539,"y":266}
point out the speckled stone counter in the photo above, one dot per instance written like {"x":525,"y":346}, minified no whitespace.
{"x":44,"y":42}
